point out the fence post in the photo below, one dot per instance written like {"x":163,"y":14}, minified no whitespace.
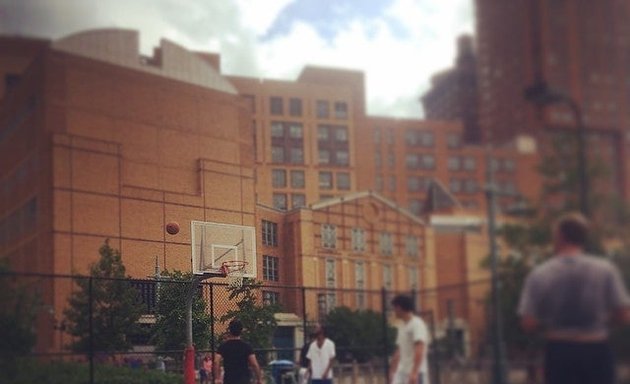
{"x":384,"y":330}
{"x":212,"y":337}
{"x":304,"y":313}
{"x":91,"y":327}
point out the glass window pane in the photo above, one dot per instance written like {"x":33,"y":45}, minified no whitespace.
{"x":279,"y":178}
{"x":343,"y":180}
{"x":277,"y":154}
{"x":298,"y":200}
{"x":322,"y":109}
{"x":325,"y":180}
{"x":280,"y":201}
{"x":297,"y":179}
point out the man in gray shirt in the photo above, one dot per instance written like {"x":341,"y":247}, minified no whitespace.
{"x":572,"y":298}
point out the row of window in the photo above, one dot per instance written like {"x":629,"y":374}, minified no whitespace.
{"x":322,"y":107}
{"x":279,"y":179}
{"x":281,"y":202}
{"x":457,"y":185}
{"x":360,"y":275}
{"x":419,"y":138}
{"x":358,"y":241}
{"x":457,"y":163}
{"x":326,"y":180}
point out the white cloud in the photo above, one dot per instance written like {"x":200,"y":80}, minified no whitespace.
{"x":397,"y":65}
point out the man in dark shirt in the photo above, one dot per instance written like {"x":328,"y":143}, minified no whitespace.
{"x":237,"y":357}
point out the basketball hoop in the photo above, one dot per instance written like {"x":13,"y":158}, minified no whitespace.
{"x":234,"y":271}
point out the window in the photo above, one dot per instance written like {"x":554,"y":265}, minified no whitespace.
{"x":386,"y":244}
{"x":359,"y":283}
{"x":341,"y":134}
{"x":414,"y":278}
{"x":453,"y":140}
{"x":325,"y":180}
{"x":509,"y":188}
{"x":377,"y":159}
{"x":358,"y":240}
{"x":275,"y":105}
{"x":455,"y":185}
{"x":323,"y":133}
{"x":415,"y":206}
{"x":341,"y":110}
{"x":277,"y":154}
{"x":270,"y":268}
{"x":415,"y":138}
{"x":277,"y":129}
{"x":297,"y":156}
{"x":377,"y":135}
{"x":411,"y":246}
{"x":295,"y":107}
{"x":279,"y":178}
{"x":392,"y":183}
{"x":391,"y":160}
{"x":322,"y":109}
{"x":388,"y":277}
{"x":295,"y":131}
{"x":470,"y":164}
{"x":298,"y":200}
{"x":280,"y":201}
{"x":325,"y":197}
{"x":342,"y":157}
{"x":390,"y":137}
{"x":269,"y":233}
{"x":331,"y":274}
{"x":508,"y":165}
{"x":412,"y":161}
{"x":470,"y":186}
{"x":329,"y":236}
{"x":428,"y":162}
{"x":343,"y":180}
{"x":297,"y":179}
{"x":379,"y":183}
{"x":454,"y":163}
{"x":417,"y":184}
{"x":271,"y":298}
{"x":324,"y":156}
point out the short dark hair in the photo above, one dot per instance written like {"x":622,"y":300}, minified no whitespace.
{"x":403,"y":302}
{"x":574,"y":228}
{"x":235,"y":327}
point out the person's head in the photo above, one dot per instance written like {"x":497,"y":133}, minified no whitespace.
{"x":570,"y":231}
{"x":320,"y":332}
{"x":403,"y":306}
{"x":235,"y":327}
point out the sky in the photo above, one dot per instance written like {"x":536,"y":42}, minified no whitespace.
{"x":398,"y":44}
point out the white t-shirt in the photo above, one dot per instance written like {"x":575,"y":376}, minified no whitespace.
{"x":320,"y":358}
{"x":410,"y":333}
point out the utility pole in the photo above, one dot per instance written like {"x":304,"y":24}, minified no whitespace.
{"x":498,"y":365}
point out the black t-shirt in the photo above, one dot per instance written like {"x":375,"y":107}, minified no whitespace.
{"x":235,"y":354}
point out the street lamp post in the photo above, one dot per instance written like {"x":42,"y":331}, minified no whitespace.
{"x":542,"y":95}
{"x":498,"y":366}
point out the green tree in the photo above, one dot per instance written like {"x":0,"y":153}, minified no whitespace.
{"x":18,"y":311}
{"x":259,"y":322}
{"x":115,"y":309}
{"x":169,"y":332}
{"x":358,"y":335}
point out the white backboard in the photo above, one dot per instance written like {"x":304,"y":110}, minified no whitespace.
{"x":215,"y":243}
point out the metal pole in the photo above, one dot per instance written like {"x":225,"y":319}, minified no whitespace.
{"x":498,"y":368}
{"x":212,"y":339}
{"x":189,"y":353}
{"x":91,"y":326}
{"x":304,"y":325}
{"x":581,"y":155}
{"x":384,"y":330}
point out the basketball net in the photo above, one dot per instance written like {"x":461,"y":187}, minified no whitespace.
{"x":234,"y":272}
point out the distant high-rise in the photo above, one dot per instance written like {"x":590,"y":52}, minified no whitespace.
{"x":581,"y":48}
{"x":453,"y":94}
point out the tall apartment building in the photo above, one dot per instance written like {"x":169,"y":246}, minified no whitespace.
{"x":305,"y":134}
{"x":453,"y":93}
{"x":405,"y":157}
{"x":581,"y":48}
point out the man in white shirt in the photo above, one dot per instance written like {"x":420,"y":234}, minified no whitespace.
{"x":321,"y":354}
{"x":409,"y":364}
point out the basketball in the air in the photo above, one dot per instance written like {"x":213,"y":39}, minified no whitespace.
{"x":172,"y":228}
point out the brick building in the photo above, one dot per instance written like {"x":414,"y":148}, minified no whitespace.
{"x":577,"y":47}
{"x":99,"y":142}
{"x":453,"y":93}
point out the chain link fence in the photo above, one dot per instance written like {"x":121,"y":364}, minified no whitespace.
{"x":82,"y":323}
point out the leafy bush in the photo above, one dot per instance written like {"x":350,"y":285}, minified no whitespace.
{"x":31,"y":371}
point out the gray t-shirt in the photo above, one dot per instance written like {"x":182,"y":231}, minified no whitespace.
{"x":574,"y":295}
